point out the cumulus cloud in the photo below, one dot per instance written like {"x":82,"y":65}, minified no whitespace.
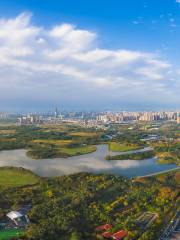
{"x":65,"y":61}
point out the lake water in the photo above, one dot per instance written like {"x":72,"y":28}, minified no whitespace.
{"x":93,"y":162}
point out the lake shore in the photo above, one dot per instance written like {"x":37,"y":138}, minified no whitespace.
{"x":93,"y":163}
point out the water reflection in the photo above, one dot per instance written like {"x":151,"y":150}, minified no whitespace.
{"x":93,"y":162}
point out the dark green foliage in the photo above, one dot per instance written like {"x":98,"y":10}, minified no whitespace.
{"x":70,"y":207}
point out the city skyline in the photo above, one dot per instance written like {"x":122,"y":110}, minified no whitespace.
{"x":92,"y":56}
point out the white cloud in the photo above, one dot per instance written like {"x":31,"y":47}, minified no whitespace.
{"x":65,"y":60}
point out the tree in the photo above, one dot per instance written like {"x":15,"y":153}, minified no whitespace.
{"x":74,"y":236}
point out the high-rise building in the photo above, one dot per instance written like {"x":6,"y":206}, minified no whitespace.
{"x":56,"y":112}
{"x":178,"y":118}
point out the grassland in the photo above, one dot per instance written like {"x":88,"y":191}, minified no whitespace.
{"x":84,"y":134}
{"x":55,"y":151}
{"x":10,"y":234}
{"x":117,"y":147}
{"x":7,"y":132}
{"x":7,"y":139}
{"x":16,"y":177}
{"x":54,"y":142}
{"x":79,"y":150}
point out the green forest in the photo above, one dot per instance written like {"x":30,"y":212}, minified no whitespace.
{"x":71,"y":207}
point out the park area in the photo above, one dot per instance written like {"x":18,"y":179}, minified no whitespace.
{"x":117,"y":147}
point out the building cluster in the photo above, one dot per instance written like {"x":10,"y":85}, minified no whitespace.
{"x":3,"y":115}
{"x":6,"y":115}
{"x":104,"y":232}
{"x":157,"y":116}
{"x":16,"y":219}
{"x":97,"y":119}
{"x":137,"y":116}
{"x":178,"y":118}
{"x":30,"y":119}
{"x":117,"y":117}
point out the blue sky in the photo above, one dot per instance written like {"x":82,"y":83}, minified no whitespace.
{"x":118,"y":54}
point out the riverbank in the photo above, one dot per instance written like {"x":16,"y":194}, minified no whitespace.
{"x":168,"y":158}
{"x":177,"y":169}
{"x":93,"y":162}
{"x":119,"y":147}
{"x":132,"y":156}
{"x":61,"y":152}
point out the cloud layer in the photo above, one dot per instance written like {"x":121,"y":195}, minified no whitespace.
{"x":65,"y":63}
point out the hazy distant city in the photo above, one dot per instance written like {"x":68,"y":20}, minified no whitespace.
{"x":91,"y":119}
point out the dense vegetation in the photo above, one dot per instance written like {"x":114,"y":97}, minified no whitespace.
{"x":54,"y":151}
{"x":50,"y":141}
{"x":70,"y":207}
{"x":64,"y":140}
{"x":166,"y":146}
{"x":168,"y":152}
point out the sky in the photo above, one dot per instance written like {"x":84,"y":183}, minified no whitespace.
{"x":89,"y":55}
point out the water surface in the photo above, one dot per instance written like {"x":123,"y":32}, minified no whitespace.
{"x":92,"y":162}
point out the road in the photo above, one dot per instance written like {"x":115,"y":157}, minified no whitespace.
{"x":173,"y":229}
{"x":158,"y":173}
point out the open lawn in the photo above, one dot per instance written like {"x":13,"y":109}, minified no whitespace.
{"x":117,"y":147}
{"x":78,"y":150}
{"x":56,"y":127}
{"x":84,"y":134}
{"x":7,"y":139}
{"x":9,"y":234}
{"x":4,"y":132}
{"x":14,"y":177}
{"x":54,"y":142}
{"x":43,"y":152}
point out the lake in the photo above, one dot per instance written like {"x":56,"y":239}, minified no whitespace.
{"x":92,"y":162}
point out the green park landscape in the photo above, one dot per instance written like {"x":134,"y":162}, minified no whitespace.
{"x":89,"y":120}
{"x":117,"y":147}
{"x":64,"y":140}
{"x":72,"y":206}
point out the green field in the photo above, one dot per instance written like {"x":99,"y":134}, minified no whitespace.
{"x":58,"y":151}
{"x":84,"y":134}
{"x":52,"y":141}
{"x":11,"y":177}
{"x":9,"y":234}
{"x":117,"y":147}
{"x":78,"y":150}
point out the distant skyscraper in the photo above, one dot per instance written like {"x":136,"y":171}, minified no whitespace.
{"x":56,"y":113}
{"x":178,"y":118}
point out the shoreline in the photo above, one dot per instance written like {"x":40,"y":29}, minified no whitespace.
{"x":93,"y":162}
{"x":158,"y":173}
